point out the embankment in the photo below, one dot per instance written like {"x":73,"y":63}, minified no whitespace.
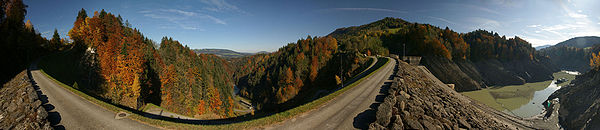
{"x":418,"y":100}
{"x":473,"y":75}
{"x":21,"y":107}
{"x":580,"y":102}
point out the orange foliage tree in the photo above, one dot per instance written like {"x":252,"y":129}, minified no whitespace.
{"x":595,"y":60}
{"x":119,"y":52}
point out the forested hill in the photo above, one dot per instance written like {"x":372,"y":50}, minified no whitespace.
{"x":225,"y":53}
{"x":117,"y":63}
{"x":469,"y":60}
{"x":296,"y":73}
{"x":20,"y":42}
{"x":573,"y":54}
{"x":580,"y":42}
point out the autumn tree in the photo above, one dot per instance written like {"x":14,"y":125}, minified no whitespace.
{"x":595,"y":60}
{"x":29,"y":26}
{"x":310,"y":64}
{"x":193,"y":84}
{"x":19,"y":42}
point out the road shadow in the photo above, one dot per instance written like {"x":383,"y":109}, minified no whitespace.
{"x":363,"y":119}
{"x":53,"y":117}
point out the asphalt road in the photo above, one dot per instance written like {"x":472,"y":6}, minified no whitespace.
{"x":69,"y":111}
{"x":346,"y":110}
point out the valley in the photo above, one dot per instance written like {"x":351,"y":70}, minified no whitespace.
{"x":520,"y":100}
{"x":162,"y":67}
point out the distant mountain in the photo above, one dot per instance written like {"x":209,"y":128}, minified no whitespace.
{"x":573,"y":54}
{"x":542,"y":47}
{"x":580,"y":42}
{"x":262,"y":52}
{"x":226,"y":53}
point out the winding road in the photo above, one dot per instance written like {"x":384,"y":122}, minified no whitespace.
{"x":67,"y":110}
{"x":349,"y":110}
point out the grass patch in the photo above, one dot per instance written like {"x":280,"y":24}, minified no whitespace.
{"x":54,"y":63}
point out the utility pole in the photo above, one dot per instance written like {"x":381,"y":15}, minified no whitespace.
{"x":341,"y":66}
{"x":403,"y":50}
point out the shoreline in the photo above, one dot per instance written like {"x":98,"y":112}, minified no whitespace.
{"x":547,"y":120}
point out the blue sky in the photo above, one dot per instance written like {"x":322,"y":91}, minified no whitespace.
{"x":266,"y":25}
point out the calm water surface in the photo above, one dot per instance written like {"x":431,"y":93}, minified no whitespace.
{"x":521,"y":100}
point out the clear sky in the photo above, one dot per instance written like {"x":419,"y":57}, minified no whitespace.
{"x":266,"y":25}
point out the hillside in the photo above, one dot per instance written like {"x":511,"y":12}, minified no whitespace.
{"x":579,"y":102}
{"x":573,"y":54}
{"x":225,"y":53}
{"x":121,"y":66}
{"x":580,"y":42}
{"x":296,"y":73}
{"x":542,"y":47}
{"x":416,"y":100}
{"x":471,"y":60}
{"x":20,"y":42}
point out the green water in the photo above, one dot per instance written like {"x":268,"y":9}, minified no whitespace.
{"x":520,"y":100}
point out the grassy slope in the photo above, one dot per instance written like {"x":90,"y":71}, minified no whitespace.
{"x":61,"y":64}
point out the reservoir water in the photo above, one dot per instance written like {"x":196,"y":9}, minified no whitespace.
{"x":521,"y":100}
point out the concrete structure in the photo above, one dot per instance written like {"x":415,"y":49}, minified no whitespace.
{"x":412,"y":60}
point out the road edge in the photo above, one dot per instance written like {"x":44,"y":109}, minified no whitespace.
{"x":255,"y":123}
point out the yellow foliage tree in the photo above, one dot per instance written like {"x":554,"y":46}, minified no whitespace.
{"x":595,"y":60}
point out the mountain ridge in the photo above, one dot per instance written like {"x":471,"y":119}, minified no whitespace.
{"x":476,"y":58}
{"x":580,"y":42}
{"x":572,"y":54}
{"x":226,"y":53}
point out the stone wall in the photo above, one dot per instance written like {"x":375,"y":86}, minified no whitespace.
{"x":21,"y":107}
{"x":415,"y":101}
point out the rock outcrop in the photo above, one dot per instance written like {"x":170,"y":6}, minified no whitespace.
{"x":580,"y":102}
{"x":21,"y":107}
{"x":418,"y":100}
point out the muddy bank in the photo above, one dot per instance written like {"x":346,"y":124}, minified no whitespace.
{"x":474,"y":75}
{"x":580,"y":102}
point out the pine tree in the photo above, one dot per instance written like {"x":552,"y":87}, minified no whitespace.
{"x":55,"y":41}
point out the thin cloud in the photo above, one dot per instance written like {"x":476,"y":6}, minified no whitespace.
{"x":221,"y":6}
{"x":46,"y":32}
{"x":188,"y":20}
{"x":534,"y":26}
{"x":478,"y":8}
{"x":536,"y":34}
{"x":442,"y":19}
{"x":216,"y":20}
{"x":186,"y":13}
{"x":370,"y":9}
{"x":484,"y":23}
{"x":540,"y":41}
{"x":577,"y":15}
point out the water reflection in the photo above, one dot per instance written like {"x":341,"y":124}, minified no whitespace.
{"x":534,"y":106}
{"x":520,"y":100}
